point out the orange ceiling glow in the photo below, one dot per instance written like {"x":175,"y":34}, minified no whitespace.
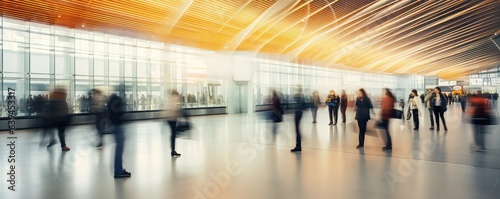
{"x":445,"y":38}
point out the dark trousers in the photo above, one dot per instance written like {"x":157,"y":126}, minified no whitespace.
{"x":61,"y":128}
{"x":431,"y":116}
{"x":479,"y":135}
{"x":439,"y":113}
{"x":298,"y":117}
{"x":463,"y":104}
{"x":362,"y":131}
{"x":342,"y":111}
{"x":120,"y":145}
{"x":314,"y":111}
{"x":385,"y":126}
{"x":99,"y":122}
{"x":335,"y":111}
{"x":173,"y":133}
{"x":416,"y":122}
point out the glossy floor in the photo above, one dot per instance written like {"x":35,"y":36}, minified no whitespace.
{"x":237,"y":157}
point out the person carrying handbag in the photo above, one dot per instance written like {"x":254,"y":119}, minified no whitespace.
{"x":387,"y":112}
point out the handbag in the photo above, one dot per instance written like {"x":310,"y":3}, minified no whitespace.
{"x":487,"y":119}
{"x":370,"y":128}
{"x":183,"y":126}
{"x":408,"y":115}
{"x":398,"y":114}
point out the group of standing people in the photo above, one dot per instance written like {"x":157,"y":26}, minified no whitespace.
{"x":334,"y":102}
{"x":436,"y":104}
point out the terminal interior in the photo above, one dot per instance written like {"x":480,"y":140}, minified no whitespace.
{"x":224,"y":57}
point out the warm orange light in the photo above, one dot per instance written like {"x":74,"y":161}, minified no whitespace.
{"x":445,"y":38}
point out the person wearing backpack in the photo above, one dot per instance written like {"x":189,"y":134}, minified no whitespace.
{"x":116,"y":114}
{"x":333,"y":106}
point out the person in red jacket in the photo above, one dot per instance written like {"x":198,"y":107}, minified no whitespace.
{"x":387,"y":106}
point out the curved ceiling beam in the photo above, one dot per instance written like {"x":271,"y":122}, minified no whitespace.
{"x":292,"y":25}
{"x":178,"y":16}
{"x":234,"y":14}
{"x":233,"y":43}
{"x":364,"y":11}
{"x":282,"y":16}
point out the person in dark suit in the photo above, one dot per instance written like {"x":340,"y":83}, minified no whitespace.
{"x":362,"y":108}
{"x":439,"y":103}
{"x":116,"y":114}
{"x":299,"y":108}
{"x":343,"y":105}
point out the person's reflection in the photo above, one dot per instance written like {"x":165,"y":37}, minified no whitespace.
{"x":298,"y":180}
{"x":119,"y":190}
{"x":314,"y":136}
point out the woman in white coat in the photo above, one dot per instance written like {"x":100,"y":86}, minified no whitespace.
{"x":415,"y":104}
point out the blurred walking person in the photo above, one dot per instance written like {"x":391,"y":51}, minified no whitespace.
{"x":315,"y":105}
{"x":387,"y":106}
{"x":481,"y":115}
{"x":98,"y":105}
{"x":276,"y":111}
{"x":363,"y":105}
{"x":463,"y":102}
{"x":299,"y":107}
{"x":343,"y":105}
{"x":429,"y":106}
{"x":416,"y":109}
{"x":57,"y":117}
{"x":173,"y":111}
{"x":333,"y":106}
{"x":116,"y":114}
{"x":439,"y":103}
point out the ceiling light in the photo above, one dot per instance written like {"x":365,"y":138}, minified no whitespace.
{"x":83,"y":25}
{"x":58,"y":16}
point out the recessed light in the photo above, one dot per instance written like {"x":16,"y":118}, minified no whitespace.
{"x":83,"y":25}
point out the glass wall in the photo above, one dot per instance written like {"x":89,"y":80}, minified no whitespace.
{"x":285,"y":76}
{"x":36,"y":57}
{"x":485,"y":81}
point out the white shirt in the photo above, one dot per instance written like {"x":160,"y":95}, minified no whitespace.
{"x":438,"y":100}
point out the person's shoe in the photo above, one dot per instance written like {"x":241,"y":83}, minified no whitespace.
{"x":314,"y":122}
{"x":330,"y":123}
{"x":65,"y":148}
{"x":51,"y":144}
{"x":296,"y":149}
{"x":343,"y":123}
{"x":175,"y":154}
{"x":335,"y":124}
{"x":387,"y":148}
{"x":480,"y":149}
{"x":99,"y":145}
{"x":432,"y":128}
{"x":359,"y":146}
{"x":437,"y":129}
{"x":124,"y":174}
{"x":445,"y":128}
{"x":416,"y":129}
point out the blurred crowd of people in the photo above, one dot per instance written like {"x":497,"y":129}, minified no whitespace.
{"x":436,"y":102}
{"x":111,"y":111}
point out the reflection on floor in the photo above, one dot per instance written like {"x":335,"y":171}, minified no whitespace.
{"x":236,"y":157}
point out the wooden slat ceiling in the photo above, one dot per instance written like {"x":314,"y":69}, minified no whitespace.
{"x":445,"y":38}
